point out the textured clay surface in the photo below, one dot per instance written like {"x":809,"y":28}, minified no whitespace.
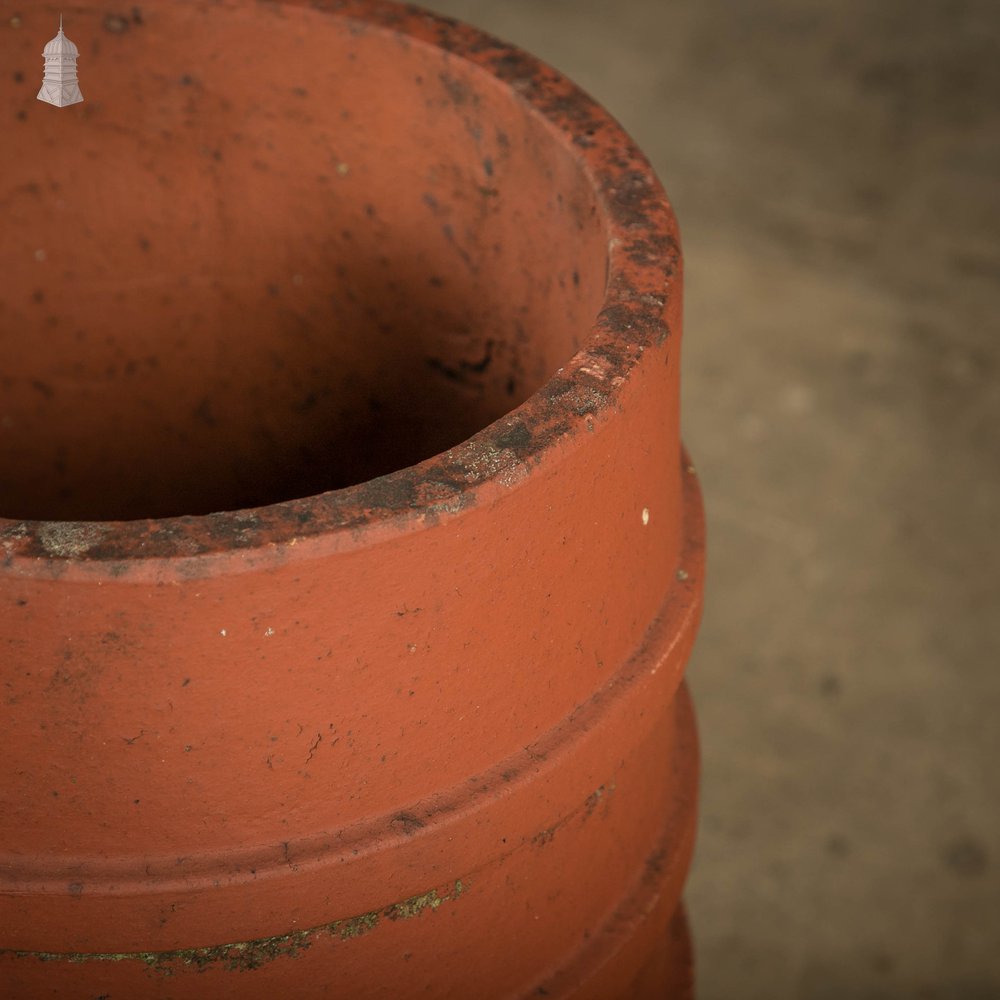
{"x":350,"y":560}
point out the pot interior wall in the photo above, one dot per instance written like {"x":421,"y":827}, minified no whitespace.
{"x":273,"y":253}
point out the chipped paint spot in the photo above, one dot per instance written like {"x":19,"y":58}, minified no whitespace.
{"x":645,"y":515}
{"x":598,"y":368}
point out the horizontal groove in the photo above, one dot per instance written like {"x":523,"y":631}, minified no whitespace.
{"x":245,"y":956}
{"x":671,"y":631}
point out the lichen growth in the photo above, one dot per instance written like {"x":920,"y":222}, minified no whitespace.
{"x":356,"y":926}
{"x":245,"y":956}
{"x":414,"y":906}
{"x":68,"y":539}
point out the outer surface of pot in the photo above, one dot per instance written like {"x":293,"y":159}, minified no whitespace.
{"x":422,"y":736}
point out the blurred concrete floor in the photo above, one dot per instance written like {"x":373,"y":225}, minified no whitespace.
{"x":836,"y":171}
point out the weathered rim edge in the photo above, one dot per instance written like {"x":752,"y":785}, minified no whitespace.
{"x":642,"y":299}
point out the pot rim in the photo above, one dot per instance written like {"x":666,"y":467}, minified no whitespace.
{"x":641,"y":303}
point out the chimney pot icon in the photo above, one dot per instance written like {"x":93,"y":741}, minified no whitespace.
{"x":59,"y":85}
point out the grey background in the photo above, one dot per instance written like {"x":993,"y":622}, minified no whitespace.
{"x":835,"y":168}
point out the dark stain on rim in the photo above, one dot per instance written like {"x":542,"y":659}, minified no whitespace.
{"x":644,"y":263}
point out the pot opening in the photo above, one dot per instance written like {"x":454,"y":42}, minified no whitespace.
{"x":263,"y":261}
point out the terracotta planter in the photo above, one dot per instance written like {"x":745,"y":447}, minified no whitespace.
{"x":406,"y":719}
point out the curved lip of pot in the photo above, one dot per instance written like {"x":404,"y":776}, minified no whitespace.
{"x":643,"y":268}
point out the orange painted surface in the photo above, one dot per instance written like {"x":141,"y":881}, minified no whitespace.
{"x":272,"y":726}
